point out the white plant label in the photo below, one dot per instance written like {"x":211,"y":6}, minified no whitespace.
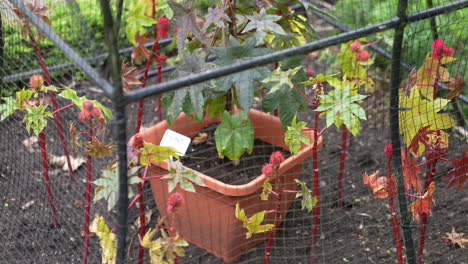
{"x":175,"y":140}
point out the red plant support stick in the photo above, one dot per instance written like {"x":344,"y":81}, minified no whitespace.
{"x":396,"y":229}
{"x":89,"y":178}
{"x":55,"y":107}
{"x":45,"y":165}
{"x":278,"y":216}
{"x":316,"y":212}
{"x":344,"y":138}
{"x":431,"y":168}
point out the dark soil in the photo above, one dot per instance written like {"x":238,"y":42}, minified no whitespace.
{"x":204,"y":157}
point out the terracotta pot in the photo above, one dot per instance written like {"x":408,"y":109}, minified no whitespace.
{"x":207,"y":219}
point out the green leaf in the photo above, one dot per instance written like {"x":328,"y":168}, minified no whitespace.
{"x":307,"y":200}
{"x":243,"y":81}
{"x":234,"y":136}
{"x":293,"y":136}
{"x":341,"y":107}
{"x":137,"y":19}
{"x":8,"y":107}
{"x":151,"y":152}
{"x":178,"y":174}
{"x":36,"y":118}
{"x":164,"y":249}
{"x":107,"y":187}
{"x":193,"y":95}
{"x":71,"y":95}
{"x":184,"y":20}
{"x":281,"y":79}
{"x":262,"y":22}
{"x":254,"y":223}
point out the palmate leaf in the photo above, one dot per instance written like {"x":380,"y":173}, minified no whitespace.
{"x":108,"y":239}
{"x":421,"y":112}
{"x":243,"y":81}
{"x":184,"y":20}
{"x":284,"y":96}
{"x":182,"y":176}
{"x":263,"y":24}
{"x":340,"y":107}
{"x":294,"y":138}
{"x":107,"y":187}
{"x":138,"y":19}
{"x":215,"y":16}
{"x":193,"y":95}
{"x":155,"y":153}
{"x":234,"y":136}
{"x":8,"y":107}
{"x":254,"y":223}
{"x":266,"y":190}
{"x":36,"y":118}
{"x":164,"y":249}
{"x":97,"y":148}
{"x":307,"y":200}
{"x":423,"y":204}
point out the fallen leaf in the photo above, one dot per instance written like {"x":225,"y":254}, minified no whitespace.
{"x":28,"y":204}
{"x":61,"y":161}
{"x":200,"y":138}
{"x":458,"y":239}
{"x":29,"y":143}
{"x":147,"y":219}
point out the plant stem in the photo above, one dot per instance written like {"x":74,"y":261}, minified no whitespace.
{"x":316,"y":185}
{"x":431,"y":169}
{"x":278,"y":216}
{"x":55,"y":107}
{"x":87,"y":207}
{"x":344,"y":138}
{"x":396,"y":228}
{"x":45,"y":166}
{"x":62,"y":108}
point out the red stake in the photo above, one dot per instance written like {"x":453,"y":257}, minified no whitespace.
{"x":344,"y":138}
{"x":316,"y":212}
{"x":89,"y":178}
{"x":45,"y":165}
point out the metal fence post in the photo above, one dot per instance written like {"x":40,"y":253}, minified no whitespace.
{"x":395,"y":129}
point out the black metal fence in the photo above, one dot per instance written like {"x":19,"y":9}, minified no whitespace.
{"x":85,"y":59}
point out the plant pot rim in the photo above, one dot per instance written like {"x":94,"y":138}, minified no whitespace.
{"x":274,"y":126}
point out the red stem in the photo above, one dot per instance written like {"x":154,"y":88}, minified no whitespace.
{"x":396,"y":229}
{"x":344,"y":138}
{"x":316,"y":212}
{"x":278,"y":217}
{"x":55,"y":107}
{"x":45,"y":166}
{"x":62,"y":108}
{"x":141,"y":208}
{"x":436,"y":80}
{"x":431,"y":169}
{"x":302,"y":93}
{"x":87,"y":207}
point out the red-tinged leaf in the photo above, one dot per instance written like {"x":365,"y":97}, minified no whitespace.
{"x":37,"y":8}
{"x":160,"y":59}
{"x":456,"y":87}
{"x":139,"y":50}
{"x":382,"y":187}
{"x":410,"y":173}
{"x":185,"y":20}
{"x":98,"y":148}
{"x":128,"y":80}
{"x":459,"y":173}
{"x":421,"y":137}
{"x":423,"y":204}
{"x":215,"y":16}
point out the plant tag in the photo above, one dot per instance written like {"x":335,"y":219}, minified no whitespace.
{"x":175,"y":140}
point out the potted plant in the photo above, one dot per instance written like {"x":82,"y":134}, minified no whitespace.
{"x":230,"y":33}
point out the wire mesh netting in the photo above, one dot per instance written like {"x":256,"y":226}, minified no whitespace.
{"x":338,"y":200}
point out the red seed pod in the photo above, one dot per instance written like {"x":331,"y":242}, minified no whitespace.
{"x":36,"y":82}
{"x":267,"y":169}
{"x":85,"y":115}
{"x":355,"y":46}
{"x":363,"y":55}
{"x":96,"y":112}
{"x":88,"y":106}
{"x":447,"y":52}
{"x":163,"y":27}
{"x":174,"y":202}
{"x":138,"y":141}
{"x":388,"y":151}
{"x":438,"y":44}
{"x":276,"y":158}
